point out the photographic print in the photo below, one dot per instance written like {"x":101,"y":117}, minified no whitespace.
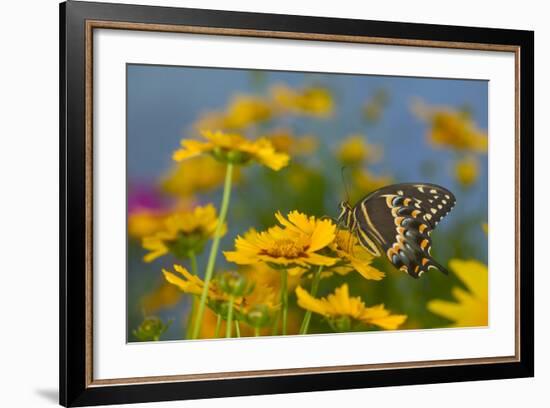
{"x":290,"y":204}
{"x":268,"y":203}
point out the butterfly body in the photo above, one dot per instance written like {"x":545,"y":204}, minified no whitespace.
{"x":397,"y":221}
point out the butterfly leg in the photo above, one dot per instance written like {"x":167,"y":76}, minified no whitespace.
{"x":352,"y":233}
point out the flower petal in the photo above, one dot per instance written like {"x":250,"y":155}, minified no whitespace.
{"x":322,"y":235}
{"x":191,"y":148}
{"x":308,"y":302}
{"x":474,"y":274}
{"x":316,"y":259}
{"x":367,"y":271}
{"x":379,"y":316}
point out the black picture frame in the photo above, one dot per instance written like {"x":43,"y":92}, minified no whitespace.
{"x":76,"y":389}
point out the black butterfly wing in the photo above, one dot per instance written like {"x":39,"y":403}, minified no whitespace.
{"x":399,"y":219}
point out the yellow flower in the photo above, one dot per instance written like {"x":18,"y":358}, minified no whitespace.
{"x":452,"y":128}
{"x":354,"y":150}
{"x":182,"y":232}
{"x":232,"y":148}
{"x":466,"y":171}
{"x":355,"y":257}
{"x":245,"y":110}
{"x":295,"y":244}
{"x":208,"y":327}
{"x":285,"y":142}
{"x":192,"y":284}
{"x":374,"y":108}
{"x":261,"y":295}
{"x":340,"y":307}
{"x":242,"y":111}
{"x":145,"y":222}
{"x":367,"y":182}
{"x":265,"y":276}
{"x":471,"y":308}
{"x":199,"y":174}
{"x":164,"y":296}
{"x":309,"y":101}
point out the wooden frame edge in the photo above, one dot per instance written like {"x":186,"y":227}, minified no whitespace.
{"x":104,"y":24}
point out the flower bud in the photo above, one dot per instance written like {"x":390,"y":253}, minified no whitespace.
{"x":235,"y":284}
{"x":341,"y":324}
{"x":258,"y":316}
{"x":151,"y":329}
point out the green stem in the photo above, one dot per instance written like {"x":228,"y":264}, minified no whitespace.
{"x":256,"y":331}
{"x":284,"y":299}
{"x":193,"y":259}
{"x":214,"y":248}
{"x":194,"y":271}
{"x":237,"y":328}
{"x":218,"y":325}
{"x":314,"y":287}
{"x":229,"y":323}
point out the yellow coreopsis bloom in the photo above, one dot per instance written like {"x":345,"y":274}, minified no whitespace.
{"x":164,"y":296}
{"x":182,"y":232}
{"x":367,"y":182}
{"x":452,"y":128}
{"x":246,"y":110}
{"x":232,"y":148}
{"x":296,"y":243}
{"x":242,"y":111}
{"x":354,"y":150}
{"x":145,"y":222}
{"x":354,"y":257}
{"x":263,"y":275}
{"x":471,"y":308}
{"x":311,"y":101}
{"x":192,"y":284}
{"x":261,"y":295}
{"x":340,"y":307}
{"x":284,"y":141}
{"x":199,"y":174}
{"x":466,"y":171}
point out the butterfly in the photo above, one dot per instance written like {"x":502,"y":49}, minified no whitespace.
{"x":398,"y":220}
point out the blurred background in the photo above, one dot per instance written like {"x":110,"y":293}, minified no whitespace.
{"x":383,"y":129}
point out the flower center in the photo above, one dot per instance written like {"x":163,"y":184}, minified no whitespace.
{"x":285,"y":248}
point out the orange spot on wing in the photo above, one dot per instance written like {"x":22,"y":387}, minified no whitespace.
{"x":424,"y":244}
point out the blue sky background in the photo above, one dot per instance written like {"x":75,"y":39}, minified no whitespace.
{"x":164,"y":101}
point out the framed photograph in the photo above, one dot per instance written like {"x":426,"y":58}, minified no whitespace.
{"x":256,"y":203}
